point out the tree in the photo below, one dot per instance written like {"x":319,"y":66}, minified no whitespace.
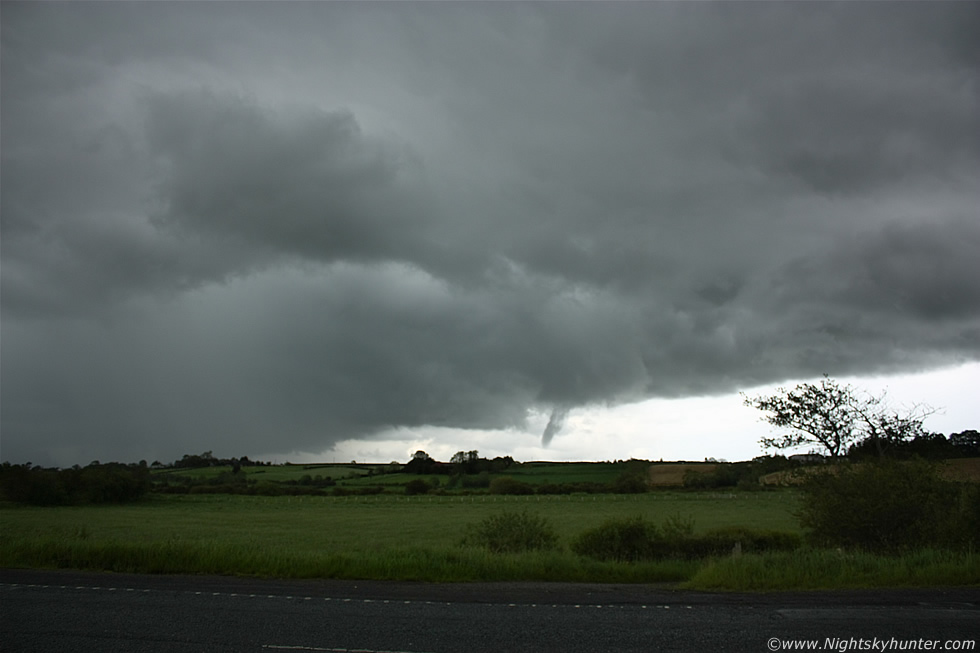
{"x":831,"y":416}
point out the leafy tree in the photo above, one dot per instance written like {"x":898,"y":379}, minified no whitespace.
{"x":967,"y":443}
{"x":832,"y":416}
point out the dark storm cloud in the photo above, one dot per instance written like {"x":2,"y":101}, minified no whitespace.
{"x":247,"y":227}
{"x":310,"y":185}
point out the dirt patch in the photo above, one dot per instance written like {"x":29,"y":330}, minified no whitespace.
{"x":962,"y":469}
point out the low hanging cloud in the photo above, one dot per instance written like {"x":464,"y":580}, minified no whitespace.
{"x":245,"y":230}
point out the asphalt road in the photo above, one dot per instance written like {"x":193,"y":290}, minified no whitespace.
{"x":75,"y":612}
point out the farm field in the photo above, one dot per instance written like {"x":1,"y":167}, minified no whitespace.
{"x":381,"y":536}
{"x":418,"y":538}
{"x":319,"y":524}
{"x":274,"y":473}
{"x":365,"y":475}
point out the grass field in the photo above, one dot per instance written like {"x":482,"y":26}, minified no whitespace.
{"x":274,"y":473}
{"x":364,"y":475}
{"x":557,"y":473}
{"x":417,"y":538}
{"x":318,"y":524}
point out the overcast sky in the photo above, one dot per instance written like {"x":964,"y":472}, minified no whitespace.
{"x":308,"y":230}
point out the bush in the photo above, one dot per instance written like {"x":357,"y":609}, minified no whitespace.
{"x":512,"y":532}
{"x":889,"y":506}
{"x":722,"y":541}
{"x":635,"y":539}
{"x":417,"y":486}
{"x":507,"y":485}
{"x":620,"y":540}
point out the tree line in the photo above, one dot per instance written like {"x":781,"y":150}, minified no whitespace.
{"x":94,"y":483}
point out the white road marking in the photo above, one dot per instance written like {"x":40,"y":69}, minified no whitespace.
{"x":285,"y":647}
{"x":97,"y":588}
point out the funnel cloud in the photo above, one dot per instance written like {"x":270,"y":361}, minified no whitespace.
{"x":555,"y":424}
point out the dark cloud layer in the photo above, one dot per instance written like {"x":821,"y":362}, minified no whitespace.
{"x":247,"y":227}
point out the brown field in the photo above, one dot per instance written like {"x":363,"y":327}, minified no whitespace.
{"x":672,"y":474}
{"x":962,"y":469}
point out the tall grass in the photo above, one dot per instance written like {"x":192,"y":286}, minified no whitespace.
{"x":407,"y":563}
{"x":810,"y":569}
{"x":799,"y":570}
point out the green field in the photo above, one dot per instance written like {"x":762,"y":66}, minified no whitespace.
{"x":557,"y":473}
{"x":274,"y":473}
{"x":386,"y":536}
{"x":332,"y":529}
{"x":417,"y":538}
{"x":339,"y":524}
{"x":365,"y":475}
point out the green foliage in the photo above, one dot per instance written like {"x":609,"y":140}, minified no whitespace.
{"x":930,"y":446}
{"x":512,"y":532}
{"x":283,"y":536}
{"x":744,"y":475}
{"x":812,"y":569}
{"x":476,"y":481}
{"x":731,"y":539}
{"x":96,"y":483}
{"x":890,"y":506}
{"x":508,"y":485}
{"x":621,"y":540}
{"x":633,"y":479}
{"x":417,"y":486}
{"x":636,"y":539}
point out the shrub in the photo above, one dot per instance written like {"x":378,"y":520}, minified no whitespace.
{"x":722,"y":541}
{"x":635,"y":539}
{"x":512,"y":532}
{"x":507,"y":485}
{"x":620,"y":540}
{"x":889,"y":506}
{"x":417,"y":486}
{"x":630,"y":484}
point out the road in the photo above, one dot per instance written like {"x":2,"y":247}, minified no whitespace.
{"x":61,"y":611}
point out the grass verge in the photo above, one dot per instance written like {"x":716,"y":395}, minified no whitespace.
{"x":805,"y":569}
{"x":814,"y":569}
{"x":464,"y":564}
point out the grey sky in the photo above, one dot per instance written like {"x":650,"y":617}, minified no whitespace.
{"x":253,"y":227}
